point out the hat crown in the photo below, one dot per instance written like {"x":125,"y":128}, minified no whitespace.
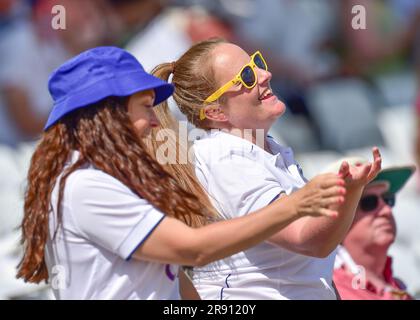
{"x":90,"y":67}
{"x":96,"y":74}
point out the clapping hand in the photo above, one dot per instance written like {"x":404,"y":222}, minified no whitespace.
{"x":361,"y":175}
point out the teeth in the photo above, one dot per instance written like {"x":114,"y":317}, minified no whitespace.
{"x":265,"y":94}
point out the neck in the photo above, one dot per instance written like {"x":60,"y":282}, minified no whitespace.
{"x":372,"y":259}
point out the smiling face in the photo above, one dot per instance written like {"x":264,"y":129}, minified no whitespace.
{"x":375,"y":228}
{"x":240,"y":107}
{"x":140,"y":111}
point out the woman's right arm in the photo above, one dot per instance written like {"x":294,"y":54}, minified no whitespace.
{"x":174,"y":242}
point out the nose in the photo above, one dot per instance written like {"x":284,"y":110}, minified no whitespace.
{"x":154,"y":121}
{"x":263,"y":76}
{"x":385,"y":210}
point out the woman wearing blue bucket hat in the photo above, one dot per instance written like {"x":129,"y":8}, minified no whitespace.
{"x":103,"y":220}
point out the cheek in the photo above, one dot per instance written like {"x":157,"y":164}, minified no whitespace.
{"x":386,"y":226}
{"x":362,"y":229}
{"x":140,"y":124}
{"x":140,"y":121}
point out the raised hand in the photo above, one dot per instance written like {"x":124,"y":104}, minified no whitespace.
{"x":361,"y":175}
{"x":320,"y":195}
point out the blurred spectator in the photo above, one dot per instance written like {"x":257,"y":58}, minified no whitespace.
{"x":391,"y":28}
{"x":88,"y":23}
{"x":26,"y":61}
{"x":417,"y":137}
{"x":133,"y":16}
{"x":363,"y":269}
{"x":31,"y":49}
{"x":417,"y":104}
{"x":10,"y":10}
{"x":170,"y":31}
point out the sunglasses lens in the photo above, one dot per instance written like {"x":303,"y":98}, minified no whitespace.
{"x":248,"y":76}
{"x":369,"y":203}
{"x":389,"y":199}
{"x":259,"y":61}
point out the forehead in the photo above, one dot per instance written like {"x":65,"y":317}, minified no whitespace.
{"x":143,"y":95}
{"x":379,"y":187}
{"x":228,"y":59}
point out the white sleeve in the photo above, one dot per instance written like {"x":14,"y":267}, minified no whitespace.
{"x":239,"y":185}
{"x":109,"y":214}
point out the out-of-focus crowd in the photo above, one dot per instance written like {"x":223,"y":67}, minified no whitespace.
{"x":346,"y":89}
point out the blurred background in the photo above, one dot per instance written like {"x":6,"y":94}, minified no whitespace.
{"x":346,"y":90}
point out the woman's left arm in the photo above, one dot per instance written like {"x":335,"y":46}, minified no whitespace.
{"x":356,"y":177}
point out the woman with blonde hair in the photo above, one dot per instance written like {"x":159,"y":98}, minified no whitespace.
{"x":226,"y":92}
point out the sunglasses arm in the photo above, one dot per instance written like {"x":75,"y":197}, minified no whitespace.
{"x":221,"y":91}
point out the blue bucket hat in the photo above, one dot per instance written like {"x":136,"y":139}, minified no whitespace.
{"x":96,"y":74}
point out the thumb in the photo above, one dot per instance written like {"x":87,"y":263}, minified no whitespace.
{"x":344,"y":169}
{"x":367,"y":170}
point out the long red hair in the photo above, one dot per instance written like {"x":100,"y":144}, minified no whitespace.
{"x":105,"y":137}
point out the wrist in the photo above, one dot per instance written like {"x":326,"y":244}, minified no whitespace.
{"x":293,"y":205}
{"x":355,"y":187}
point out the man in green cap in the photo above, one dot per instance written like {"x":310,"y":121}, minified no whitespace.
{"x":363,"y":269}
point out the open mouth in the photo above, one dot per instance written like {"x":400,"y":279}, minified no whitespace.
{"x":266,"y":94}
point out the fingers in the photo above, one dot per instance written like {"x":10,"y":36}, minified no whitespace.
{"x":335,"y":191}
{"x":376,"y":153}
{"x":333,"y":201}
{"x":322,"y":196}
{"x":328,"y":213}
{"x":375,"y":166}
{"x":344,"y":170}
{"x":330,"y":180}
{"x":377,"y":159}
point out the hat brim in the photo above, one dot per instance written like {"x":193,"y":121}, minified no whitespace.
{"x":396,"y":176}
{"x":122,"y":86}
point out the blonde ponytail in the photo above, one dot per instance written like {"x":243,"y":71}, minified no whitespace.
{"x":183,"y":172}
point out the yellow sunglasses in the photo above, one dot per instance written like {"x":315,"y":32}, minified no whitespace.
{"x":247,"y":77}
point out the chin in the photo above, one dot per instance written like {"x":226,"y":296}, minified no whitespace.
{"x":280,"y":109}
{"x":386,"y":239}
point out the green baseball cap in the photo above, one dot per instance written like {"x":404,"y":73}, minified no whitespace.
{"x":397,"y":176}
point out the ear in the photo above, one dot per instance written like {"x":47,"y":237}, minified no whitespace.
{"x":215,"y":113}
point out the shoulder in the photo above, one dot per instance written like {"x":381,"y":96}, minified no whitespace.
{"x":91,"y":182}
{"x":218,"y":145}
{"x":85,"y":175}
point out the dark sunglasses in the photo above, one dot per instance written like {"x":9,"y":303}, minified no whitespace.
{"x":371,"y":202}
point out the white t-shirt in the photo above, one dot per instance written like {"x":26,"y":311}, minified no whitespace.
{"x":103,"y":223}
{"x":240,"y":178}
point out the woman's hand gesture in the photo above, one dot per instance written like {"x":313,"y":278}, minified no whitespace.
{"x":321,"y":196}
{"x":361,"y":175}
